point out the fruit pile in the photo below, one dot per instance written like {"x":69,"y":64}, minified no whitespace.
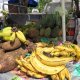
{"x":10,"y":34}
{"x":49,"y":61}
{"x":11,"y":47}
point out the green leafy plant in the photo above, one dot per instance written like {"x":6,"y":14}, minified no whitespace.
{"x":40,"y":6}
{"x":42,"y":3}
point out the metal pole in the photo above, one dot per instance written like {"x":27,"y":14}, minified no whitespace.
{"x":63,"y":20}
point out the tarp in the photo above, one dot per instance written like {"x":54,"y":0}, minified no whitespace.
{"x":33,"y":3}
{"x":13,"y":1}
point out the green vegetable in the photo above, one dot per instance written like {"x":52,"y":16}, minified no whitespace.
{"x":16,"y":78}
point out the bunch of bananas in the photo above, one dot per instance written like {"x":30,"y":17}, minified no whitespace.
{"x":25,"y":66}
{"x":49,"y":61}
{"x":9,"y":34}
{"x":62,"y":75}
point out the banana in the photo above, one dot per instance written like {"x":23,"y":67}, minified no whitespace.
{"x":48,"y":49}
{"x":5,"y":33}
{"x":13,"y":36}
{"x":6,"y":29}
{"x":41,"y":44}
{"x":27,"y":64}
{"x":77,"y":49}
{"x":62,"y":48}
{"x":35,"y":75}
{"x":19,"y":62}
{"x":23,"y":69}
{"x":67,"y":74}
{"x":64,"y":74}
{"x":52,"y":61}
{"x":55,"y":77}
{"x":10,"y":38}
{"x":32,"y":74}
{"x":21,"y":36}
{"x":6,"y":38}
{"x":44,"y":68}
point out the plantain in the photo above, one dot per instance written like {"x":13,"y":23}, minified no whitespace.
{"x":31,"y":73}
{"x":19,"y":62}
{"x":35,"y":75}
{"x":40,"y":67}
{"x":26,"y":63}
{"x":13,"y":36}
{"x":62,"y":48}
{"x":23,"y":69}
{"x":6,"y":38}
{"x":21,"y":36}
{"x":55,"y":77}
{"x":7,"y":33}
{"x":64,"y":74}
{"x":7,"y":28}
{"x":51,"y":61}
{"x":77,"y":49}
{"x":67,"y":74}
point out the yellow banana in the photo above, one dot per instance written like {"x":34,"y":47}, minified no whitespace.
{"x":52,"y":61}
{"x":13,"y":36}
{"x":23,"y":69}
{"x":48,"y":49}
{"x":5,"y":33}
{"x":55,"y":77}
{"x":19,"y":62}
{"x":35,"y":75}
{"x":44,"y":68}
{"x":6,"y":38}
{"x":7,"y":28}
{"x":32,"y":74}
{"x":10,"y":38}
{"x":61,"y":47}
{"x":77,"y":49}
{"x":41,"y":44}
{"x":21,"y":36}
{"x":64,"y":74}
{"x":27,"y":64}
{"x":67,"y":74}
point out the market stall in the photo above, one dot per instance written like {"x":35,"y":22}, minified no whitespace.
{"x":39,"y":50}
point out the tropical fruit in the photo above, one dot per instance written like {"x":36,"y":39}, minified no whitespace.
{"x":33,"y":32}
{"x":47,"y":32}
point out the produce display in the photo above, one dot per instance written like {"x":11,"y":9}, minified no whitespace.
{"x":49,"y":60}
{"x":35,"y":50}
{"x":45,"y":59}
{"x":11,"y":47}
{"x":10,"y":34}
